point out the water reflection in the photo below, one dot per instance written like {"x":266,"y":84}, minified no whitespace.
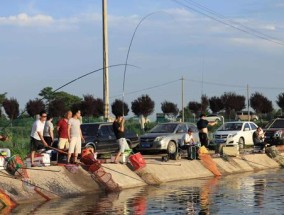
{"x":250,"y":193}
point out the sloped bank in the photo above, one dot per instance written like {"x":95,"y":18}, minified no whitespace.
{"x":57,"y":182}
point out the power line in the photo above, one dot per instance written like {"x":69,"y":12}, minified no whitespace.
{"x":250,"y":32}
{"x":148,"y":88}
{"x":231,"y":21}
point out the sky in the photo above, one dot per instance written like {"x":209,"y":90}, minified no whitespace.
{"x":216,"y":46}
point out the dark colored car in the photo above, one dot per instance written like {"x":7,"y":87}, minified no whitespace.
{"x":274,"y":132}
{"x":101,"y":137}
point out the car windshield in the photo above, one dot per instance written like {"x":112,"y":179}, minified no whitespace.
{"x":164,"y":128}
{"x":89,"y":129}
{"x":275,"y":124}
{"x":231,"y":127}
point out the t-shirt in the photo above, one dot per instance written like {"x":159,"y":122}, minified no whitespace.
{"x":63,"y":128}
{"x":75,"y":130}
{"x":47,"y":128}
{"x":187,"y":139}
{"x":38,"y":126}
{"x":202,"y":123}
{"x":117,"y":133}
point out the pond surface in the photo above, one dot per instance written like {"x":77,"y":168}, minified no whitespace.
{"x":249,"y":193}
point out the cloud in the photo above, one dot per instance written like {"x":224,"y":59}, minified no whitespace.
{"x":24,"y":19}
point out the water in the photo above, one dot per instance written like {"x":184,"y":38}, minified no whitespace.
{"x":249,"y":193}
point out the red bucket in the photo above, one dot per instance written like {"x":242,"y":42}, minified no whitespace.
{"x":137,"y":161}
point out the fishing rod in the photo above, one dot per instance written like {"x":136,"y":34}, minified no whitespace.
{"x":46,"y":170}
{"x":162,"y":164}
{"x":128,"y":51}
{"x":64,"y":85}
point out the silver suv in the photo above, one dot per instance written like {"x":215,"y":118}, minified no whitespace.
{"x":165,"y":137}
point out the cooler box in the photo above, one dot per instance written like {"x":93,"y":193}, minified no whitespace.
{"x":231,"y":151}
{"x":39,"y":160}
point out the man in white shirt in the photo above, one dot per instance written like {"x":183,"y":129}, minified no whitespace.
{"x":188,"y":143}
{"x":75,"y":136}
{"x":37,"y":140}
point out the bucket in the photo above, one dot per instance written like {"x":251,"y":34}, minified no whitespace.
{"x":137,"y":161}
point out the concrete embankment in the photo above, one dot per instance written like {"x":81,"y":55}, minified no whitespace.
{"x":57,"y":182}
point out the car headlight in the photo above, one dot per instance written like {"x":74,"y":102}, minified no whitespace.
{"x":157,"y":139}
{"x":278,"y":134}
{"x":232,"y":135}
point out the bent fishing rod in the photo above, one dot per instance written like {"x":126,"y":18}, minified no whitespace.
{"x":64,"y":85}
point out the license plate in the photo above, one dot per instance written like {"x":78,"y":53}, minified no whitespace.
{"x":220,"y":141}
{"x":146,"y":145}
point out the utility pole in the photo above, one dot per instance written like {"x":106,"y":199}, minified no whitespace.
{"x":105,"y":61}
{"x":248,"y":102}
{"x":182,"y":98}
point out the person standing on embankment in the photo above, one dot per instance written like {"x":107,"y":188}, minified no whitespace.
{"x":202,"y":125}
{"x":75,"y":136}
{"x":62,"y":130}
{"x":37,"y":140}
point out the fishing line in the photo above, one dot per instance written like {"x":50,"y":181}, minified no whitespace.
{"x":128,"y":51}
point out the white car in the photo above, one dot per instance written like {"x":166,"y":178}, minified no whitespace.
{"x":213,"y":118}
{"x":235,"y":133}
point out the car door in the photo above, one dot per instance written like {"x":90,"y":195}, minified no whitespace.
{"x":248,"y":132}
{"x":106,"y":140}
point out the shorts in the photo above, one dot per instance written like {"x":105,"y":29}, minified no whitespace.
{"x":48,"y":140}
{"x":123,"y":145}
{"x":75,"y":145}
{"x":63,"y":143}
{"x":36,"y":144}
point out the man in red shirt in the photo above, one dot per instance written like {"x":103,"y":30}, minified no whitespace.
{"x":62,"y":130}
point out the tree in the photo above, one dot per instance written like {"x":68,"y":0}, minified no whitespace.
{"x":11,"y":107}
{"x":99,"y":107}
{"x":47,"y":94}
{"x":170,"y":109}
{"x":260,"y":103}
{"x":143,"y":105}
{"x":195,"y":107}
{"x":280,"y":100}
{"x":204,"y":103}
{"x":57,"y":108}
{"x":33,"y":107}
{"x":216,"y":104}
{"x":233,"y":102}
{"x":88,"y":105}
{"x":119,"y":108}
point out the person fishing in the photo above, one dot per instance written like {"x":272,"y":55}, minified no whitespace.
{"x":119,"y":131}
{"x":37,"y":140}
{"x":189,"y":144}
{"x":202,"y":125}
{"x":258,"y":138}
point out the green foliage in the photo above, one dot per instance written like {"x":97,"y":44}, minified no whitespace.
{"x":143,"y":105}
{"x":119,"y":108}
{"x":170,"y":109}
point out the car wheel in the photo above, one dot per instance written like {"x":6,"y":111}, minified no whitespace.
{"x":241,"y":143}
{"x":172,"y":148}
